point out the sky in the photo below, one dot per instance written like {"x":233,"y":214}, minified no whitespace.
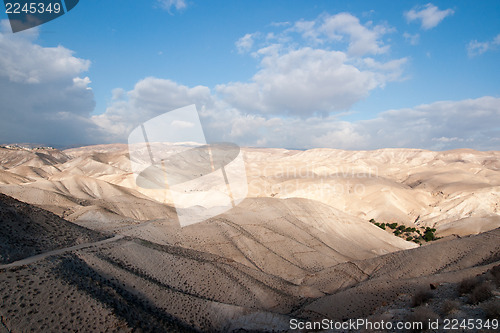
{"x":287,"y":74}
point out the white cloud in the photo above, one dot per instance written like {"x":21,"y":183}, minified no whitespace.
{"x":429,"y":15}
{"x":169,"y":4}
{"x":362,"y":39}
{"x":475,"y":48}
{"x":22,"y":61}
{"x":317,"y":66}
{"x":308,"y":80}
{"x":496,"y":40}
{"x":245,"y":43}
{"x":471,"y":123}
{"x":436,"y":126}
{"x":344,"y":28}
{"x":280,"y":24}
{"x":149,"y":98}
{"x":309,"y":31}
{"x":44,"y":98}
{"x":412,"y":39}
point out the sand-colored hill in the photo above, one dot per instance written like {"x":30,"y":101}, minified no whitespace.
{"x":132,"y":283}
{"x":389,"y":185}
{"x":10,"y":158}
{"x":381,"y":280}
{"x":287,"y":238}
{"x":299,"y":246}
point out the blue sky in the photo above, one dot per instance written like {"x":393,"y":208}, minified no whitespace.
{"x":301,"y":74}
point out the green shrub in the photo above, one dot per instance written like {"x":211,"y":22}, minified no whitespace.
{"x":392,"y":225}
{"x":409,"y":238}
{"x":372,"y":221}
{"x":429,"y":234}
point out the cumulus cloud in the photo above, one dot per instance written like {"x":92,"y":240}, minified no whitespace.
{"x":44,"y":97}
{"x":169,"y":4}
{"x":295,"y":99}
{"x":245,"y":43}
{"x":346,"y":28}
{"x":437,"y":126}
{"x":362,"y":39}
{"x":475,"y":48}
{"x":149,"y":98}
{"x":429,"y":15}
{"x":307,"y":80}
{"x":472,"y":123}
{"x":441,"y":125}
{"x":313,"y":67}
{"x":412,"y":39}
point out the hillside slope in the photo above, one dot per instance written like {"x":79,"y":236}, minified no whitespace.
{"x":27,"y":230}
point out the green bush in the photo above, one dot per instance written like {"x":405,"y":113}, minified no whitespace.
{"x":372,"y":221}
{"x":392,"y":225}
{"x":429,"y":234}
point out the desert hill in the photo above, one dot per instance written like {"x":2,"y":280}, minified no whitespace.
{"x":388,"y":185}
{"x":287,"y":238}
{"x":378,"y":281}
{"x":136,"y":283}
{"x":299,"y":246}
{"x":27,"y":230}
{"x":436,"y":189}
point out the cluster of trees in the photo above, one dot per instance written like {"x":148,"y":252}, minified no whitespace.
{"x":411,"y":233}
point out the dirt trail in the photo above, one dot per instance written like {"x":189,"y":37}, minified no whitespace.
{"x":32,"y":259}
